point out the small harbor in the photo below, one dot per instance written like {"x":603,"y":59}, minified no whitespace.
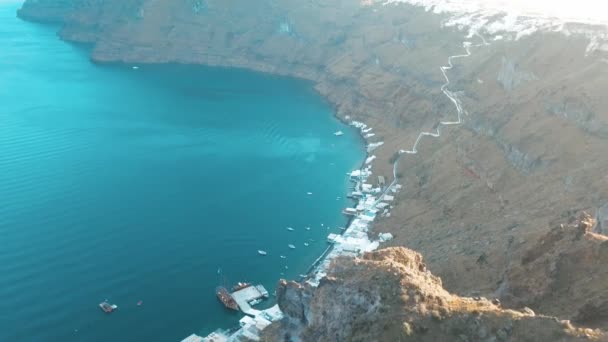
{"x":372,"y":201}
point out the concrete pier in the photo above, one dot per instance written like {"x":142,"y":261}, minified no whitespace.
{"x":245,"y":296}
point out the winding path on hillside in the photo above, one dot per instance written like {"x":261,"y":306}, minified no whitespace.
{"x":452,"y":96}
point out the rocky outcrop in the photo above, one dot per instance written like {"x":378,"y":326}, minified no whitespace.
{"x":564,"y":274}
{"x":602,"y":219}
{"x":294,"y":300}
{"x":389,"y":295}
{"x":510,"y":77}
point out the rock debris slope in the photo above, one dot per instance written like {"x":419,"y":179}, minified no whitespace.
{"x":389,"y":295}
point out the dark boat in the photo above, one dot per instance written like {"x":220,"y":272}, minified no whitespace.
{"x":240,"y":286}
{"x":226,"y":298}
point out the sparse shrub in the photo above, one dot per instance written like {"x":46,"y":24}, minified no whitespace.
{"x":407,"y":329}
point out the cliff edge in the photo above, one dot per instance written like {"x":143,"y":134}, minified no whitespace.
{"x":390,"y":295}
{"x":492,"y":205}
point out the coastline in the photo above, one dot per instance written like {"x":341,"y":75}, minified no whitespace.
{"x":353,"y":240}
{"x":362,"y":230}
{"x":493,"y":192}
{"x":357,"y":231}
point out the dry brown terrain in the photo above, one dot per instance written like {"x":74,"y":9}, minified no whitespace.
{"x":476,"y":202}
{"x":389,"y":295}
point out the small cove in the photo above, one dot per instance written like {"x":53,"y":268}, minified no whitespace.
{"x":130,"y":185}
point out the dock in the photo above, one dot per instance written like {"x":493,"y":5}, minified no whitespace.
{"x":193,"y":338}
{"x":248,"y":296}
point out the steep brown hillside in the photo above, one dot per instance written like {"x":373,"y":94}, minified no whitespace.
{"x":564,"y":274}
{"x":389,"y":295}
{"x":531,"y":152}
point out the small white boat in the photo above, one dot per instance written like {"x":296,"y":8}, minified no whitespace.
{"x":283,"y":257}
{"x":291,"y":246}
{"x":306,"y":244}
{"x":255,"y":301}
{"x":135,"y":67}
{"x":338,"y":133}
{"x":309,"y":193}
{"x":261,"y":252}
{"x":290,"y":229}
{"x":307,"y":228}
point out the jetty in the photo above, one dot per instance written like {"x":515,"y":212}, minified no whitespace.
{"x":196,"y":338}
{"x":248,"y":296}
{"x":371,"y":202}
{"x":250,"y":327}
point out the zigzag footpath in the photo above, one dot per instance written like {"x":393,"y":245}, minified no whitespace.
{"x":357,"y":232}
{"x":452,"y":96}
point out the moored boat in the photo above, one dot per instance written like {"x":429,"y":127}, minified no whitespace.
{"x":226,"y":298}
{"x":291,"y":246}
{"x":107,"y":307}
{"x":261,"y":252}
{"x":240,"y":286}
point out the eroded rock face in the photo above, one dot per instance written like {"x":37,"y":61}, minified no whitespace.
{"x":389,"y":295}
{"x":294,"y":300}
{"x":564,"y":274}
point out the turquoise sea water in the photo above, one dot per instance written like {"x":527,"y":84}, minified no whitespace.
{"x":131,"y":185}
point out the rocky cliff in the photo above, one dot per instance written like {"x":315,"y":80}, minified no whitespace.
{"x":531,"y":152}
{"x":389,"y":295}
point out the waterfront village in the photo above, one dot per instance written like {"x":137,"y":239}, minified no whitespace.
{"x":354,"y":240}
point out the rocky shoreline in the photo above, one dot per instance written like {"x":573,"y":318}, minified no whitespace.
{"x":531,"y":152}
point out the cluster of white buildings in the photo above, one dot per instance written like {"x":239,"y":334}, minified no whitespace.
{"x":372,"y":201}
{"x":250,"y":328}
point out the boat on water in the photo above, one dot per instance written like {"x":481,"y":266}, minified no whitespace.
{"x":291,"y":246}
{"x":226,"y":299}
{"x":107,"y":307}
{"x":283,"y":257}
{"x":261,"y":252}
{"x":290,"y":229}
{"x":309,"y":193}
{"x":306,"y":244}
{"x":255,"y":301}
{"x":338,"y":133}
{"x":240,"y":286}
{"x":307,"y":228}
{"x":139,"y":303}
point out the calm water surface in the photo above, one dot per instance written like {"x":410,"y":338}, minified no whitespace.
{"x":131,"y":185}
